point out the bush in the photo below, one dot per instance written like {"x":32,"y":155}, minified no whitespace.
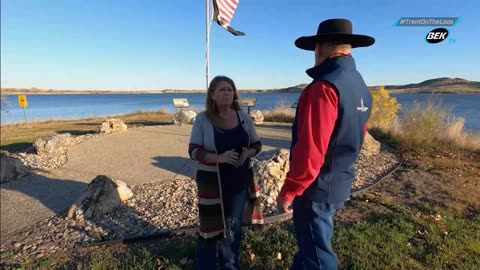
{"x":431,"y":126}
{"x":282,"y":112}
{"x":384,"y":109}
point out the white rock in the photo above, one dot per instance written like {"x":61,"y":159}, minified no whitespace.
{"x":100,"y":198}
{"x":11,"y":168}
{"x":112,"y":125}
{"x":257,"y":116}
{"x":123,"y":190}
{"x":184,"y":117}
{"x":54,"y":145}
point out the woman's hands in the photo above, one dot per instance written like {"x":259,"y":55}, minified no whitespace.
{"x":242,"y":158}
{"x":230,"y":157}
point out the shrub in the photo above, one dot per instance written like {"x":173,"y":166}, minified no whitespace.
{"x":384,"y":109}
{"x":431,"y":126}
{"x":282,"y":112}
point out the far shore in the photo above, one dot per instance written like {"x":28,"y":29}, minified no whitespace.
{"x":437,"y":85}
{"x":94,"y":92}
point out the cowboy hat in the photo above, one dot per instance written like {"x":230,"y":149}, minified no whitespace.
{"x":334,"y":30}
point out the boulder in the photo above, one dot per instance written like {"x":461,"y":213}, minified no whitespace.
{"x":270,"y":169}
{"x":257,"y":116}
{"x":112,"y":125}
{"x":54,"y":145}
{"x":11,"y":168}
{"x":184,"y":117}
{"x":103,"y":195}
{"x":370,"y":146}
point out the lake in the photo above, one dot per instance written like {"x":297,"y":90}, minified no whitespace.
{"x":73,"y":106}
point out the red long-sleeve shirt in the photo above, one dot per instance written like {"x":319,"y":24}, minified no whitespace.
{"x":317,"y":114}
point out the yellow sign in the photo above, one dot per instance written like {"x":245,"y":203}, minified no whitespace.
{"x":249,"y":102}
{"x":22,"y":101}
{"x":180,"y":102}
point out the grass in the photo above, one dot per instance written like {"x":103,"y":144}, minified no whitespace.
{"x":282,"y":112}
{"x":396,"y":240}
{"x":403,"y":241}
{"x":271,"y":250}
{"x":142,"y":259}
{"x":431,"y":126}
{"x":18,"y":137}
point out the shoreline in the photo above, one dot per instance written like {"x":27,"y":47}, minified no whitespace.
{"x":435,"y":85}
{"x":406,"y":91}
{"x":87,"y":119}
{"x":162,"y":111}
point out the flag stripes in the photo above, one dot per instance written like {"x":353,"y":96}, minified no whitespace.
{"x":223,"y":14}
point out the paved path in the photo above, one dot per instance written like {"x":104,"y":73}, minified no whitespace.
{"x":136,"y":157}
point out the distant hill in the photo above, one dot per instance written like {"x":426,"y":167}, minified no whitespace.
{"x":438,"y":85}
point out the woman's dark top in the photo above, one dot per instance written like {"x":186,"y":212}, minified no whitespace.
{"x":233,"y":179}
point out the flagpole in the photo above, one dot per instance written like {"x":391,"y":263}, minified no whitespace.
{"x":208,"y":38}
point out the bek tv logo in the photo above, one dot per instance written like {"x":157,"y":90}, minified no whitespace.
{"x":437,"y":35}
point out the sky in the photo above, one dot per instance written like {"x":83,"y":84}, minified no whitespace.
{"x":158,"y":44}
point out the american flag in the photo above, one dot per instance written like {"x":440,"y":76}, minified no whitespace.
{"x":223,"y":14}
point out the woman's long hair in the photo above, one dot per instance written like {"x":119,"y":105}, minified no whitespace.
{"x":211,"y":109}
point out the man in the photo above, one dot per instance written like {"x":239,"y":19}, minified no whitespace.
{"x":327,"y":135}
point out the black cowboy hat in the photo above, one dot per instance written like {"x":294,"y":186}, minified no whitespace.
{"x":334,"y":30}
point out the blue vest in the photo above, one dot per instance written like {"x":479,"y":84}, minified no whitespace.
{"x":334,"y":182}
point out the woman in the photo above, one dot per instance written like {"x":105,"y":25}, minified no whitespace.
{"x":223,"y":140}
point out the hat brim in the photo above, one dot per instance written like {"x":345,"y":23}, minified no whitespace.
{"x":309,"y":42}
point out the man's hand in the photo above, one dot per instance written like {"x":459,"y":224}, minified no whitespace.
{"x":283,"y":206}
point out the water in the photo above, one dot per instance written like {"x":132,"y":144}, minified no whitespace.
{"x":46,"y":107}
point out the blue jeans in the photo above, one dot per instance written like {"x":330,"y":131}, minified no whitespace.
{"x":225,"y":251}
{"x":313,"y":224}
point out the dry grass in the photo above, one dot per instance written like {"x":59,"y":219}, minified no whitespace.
{"x":431,"y":126}
{"x":17,"y":137}
{"x":282,"y":112}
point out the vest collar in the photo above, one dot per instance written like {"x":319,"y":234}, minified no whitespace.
{"x":317,"y":70}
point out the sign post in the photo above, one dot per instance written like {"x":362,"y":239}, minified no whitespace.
{"x":22,"y":102}
{"x":249,"y":102}
{"x":180,"y":103}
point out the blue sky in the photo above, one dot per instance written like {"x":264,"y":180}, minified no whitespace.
{"x":147,"y":45}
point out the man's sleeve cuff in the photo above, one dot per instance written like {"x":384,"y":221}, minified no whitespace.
{"x":287,"y":196}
